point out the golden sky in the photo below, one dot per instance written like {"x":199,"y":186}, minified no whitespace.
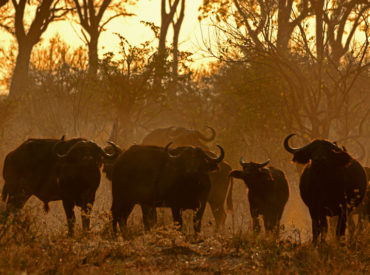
{"x":131,"y":29}
{"x":134,"y":31}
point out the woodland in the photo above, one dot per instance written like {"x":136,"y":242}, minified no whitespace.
{"x":278,"y":67}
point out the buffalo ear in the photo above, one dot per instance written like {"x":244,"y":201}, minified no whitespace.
{"x":302,"y":156}
{"x":236,"y":174}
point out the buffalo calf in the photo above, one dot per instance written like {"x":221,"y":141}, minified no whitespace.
{"x":268,"y":192}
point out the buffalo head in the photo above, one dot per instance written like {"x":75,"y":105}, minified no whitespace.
{"x":250,"y":171}
{"x":180,"y":136}
{"x":175,"y":133}
{"x":194,"y":159}
{"x":86,"y":151}
{"x":319,"y":152}
{"x":110,"y":149}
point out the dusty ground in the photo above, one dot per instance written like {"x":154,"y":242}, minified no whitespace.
{"x":38,"y":244}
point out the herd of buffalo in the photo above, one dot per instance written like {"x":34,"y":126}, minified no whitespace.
{"x":173,"y":167}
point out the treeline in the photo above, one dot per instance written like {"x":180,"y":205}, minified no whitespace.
{"x":282,"y":67}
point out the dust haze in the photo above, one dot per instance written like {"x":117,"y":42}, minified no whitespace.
{"x":268,"y":78}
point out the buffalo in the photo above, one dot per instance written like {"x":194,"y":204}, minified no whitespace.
{"x":268,"y":192}
{"x":179,"y":136}
{"x":367,"y":198}
{"x":221,"y":184}
{"x":332,"y":183}
{"x":53,"y":169}
{"x":108,"y":163}
{"x":154,"y":176}
{"x":363,"y":209}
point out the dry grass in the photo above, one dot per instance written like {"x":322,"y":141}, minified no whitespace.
{"x":30,"y":245}
{"x":166,"y":250}
{"x":36,"y":243}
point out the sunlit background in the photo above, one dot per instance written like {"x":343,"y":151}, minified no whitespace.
{"x":131,"y":27}
{"x":257,"y":89}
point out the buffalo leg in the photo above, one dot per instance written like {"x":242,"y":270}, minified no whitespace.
{"x":71,"y":218}
{"x":341,"y":225}
{"x":271,"y":223}
{"x":315,"y":229}
{"x":198,"y":217}
{"x":16,"y":202}
{"x":323,"y":227}
{"x":255,"y":221}
{"x":219,"y":215}
{"x":85,"y":216}
{"x":122,"y":217}
{"x":177,"y":216}
{"x":315,"y":217}
{"x":149,"y":216}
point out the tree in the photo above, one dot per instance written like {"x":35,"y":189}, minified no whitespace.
{"x":317,"y":67}
{"x":176,"y":33}
{"x":91,"y":18}
{"x":46,"y":12}
{"x":6,"y":17}
{"x":3,"y":2}
{"x":166,"y":19}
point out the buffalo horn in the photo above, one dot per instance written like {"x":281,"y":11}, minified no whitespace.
{"x":241,"y":161}
{"x":68,"y":151}
{"x":290,"y":149}
{"x":212,"y":137}
{"x":171,"y":155}
{"x":220,"y":158}
{"x":114,"y":154}
{"x":263,"y":164}
{"x":287,"y":147}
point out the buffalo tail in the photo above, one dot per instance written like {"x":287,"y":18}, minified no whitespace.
{"x":5,"y":192}
{"x":229,"y":199}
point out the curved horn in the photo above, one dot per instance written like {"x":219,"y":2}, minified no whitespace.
{"x":167,"y":146}
{"x":287,"y":147}
{"x":208,"y":139}
{"x":117,"y":150}
{"x":57,"y":144}
{"x":241,"y":161}
{"x":170,"y":155}
{"x":290,"y":149}
{"x":220,"y":158}
{"x":263,"y":164}
{"x":68,"y":151}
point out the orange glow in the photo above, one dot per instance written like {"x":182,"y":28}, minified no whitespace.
{"x":134,"y":31}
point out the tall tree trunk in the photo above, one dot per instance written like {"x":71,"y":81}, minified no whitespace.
{"x":19,"y":81}
{"x":284,"y":28}
{"x":93,"y":54}
{"x":46,"y":12}
{"x":166,"y":19}
{"x":3,"y":2}
{"x":176,"y":33}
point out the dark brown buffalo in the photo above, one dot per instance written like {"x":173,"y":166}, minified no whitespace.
{"x":367,"y":198}
{"x":268,"y":192}
{"x":154,"y":177}
{"x":53,"y":169}
{"x":363,"y":209}
{"x":332,"y":183}
{"x":221,"y":185}
{"x":108,"y":163}
{"x":179,"y":136}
